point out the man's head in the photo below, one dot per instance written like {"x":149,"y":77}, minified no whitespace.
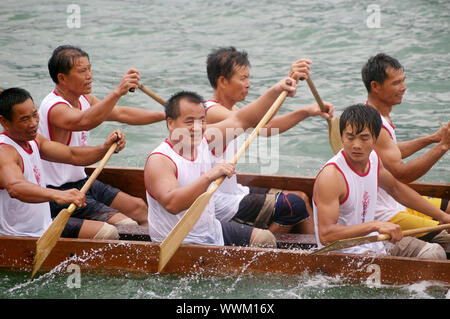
{"x":360,"y":127}
{"x":185,"y":116}
{"x":383,"y":76}
{"x":70,"y":66}
{"x":18,"y":115}
{"x":231,"y":68}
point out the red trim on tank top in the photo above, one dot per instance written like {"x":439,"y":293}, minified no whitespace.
{"x":188,"y":159}
{"x":348,"y":163}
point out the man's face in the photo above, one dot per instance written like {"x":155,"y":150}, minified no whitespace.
{"x":239,"y":83}
{"x":25,"y":121}
{"x":357,"y":147}
{"x":393,"y":88}
{"x":79,"y":79}
{"x":188,"y":128}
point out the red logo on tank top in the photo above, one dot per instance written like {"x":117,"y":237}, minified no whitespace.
{"x":365,"y":203}
{"x":37,"y":174}
{"x":83,"y":138}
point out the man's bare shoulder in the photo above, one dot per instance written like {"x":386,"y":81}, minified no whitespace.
{"x":7,"y":151}
{"x":159,"y":163}
{"x":330,"y":178}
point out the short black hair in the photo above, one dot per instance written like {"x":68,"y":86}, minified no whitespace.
{"x":375,"y":69}
{"x":11,"y":97}
{"x":361,"y":116}
{"x":222,"y":61}
{"x":173,"y":103}
{"x":63,"y":59}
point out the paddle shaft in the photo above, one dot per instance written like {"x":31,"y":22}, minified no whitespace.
{"x":316,"y":94}
{"x":153,"y":95}
{"x":416,"y":231}
{"x":176,"y":236}
{"x":273,"y":109}
{"x":350,"y":242}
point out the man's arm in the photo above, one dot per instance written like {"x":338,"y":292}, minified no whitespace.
{"x":250,"y":115}
{"x":282,"y":123}
{"x":11,"y":178}
{"x":409,"y":197}
{"x":72,"y":119}
{"x":81,"y":155}
{"x":218,"y":113}
{"x":408,"y":148}
{"x":135,"y":116}
{"x":410,"y":171}
{"x":329,"y":191}
{"x":130,"y":115}
{"x":160,"y":180}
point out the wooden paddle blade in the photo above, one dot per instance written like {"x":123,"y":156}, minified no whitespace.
{"x":346,"y":243}
{"x":334,"y":135}
{"x":176,"y":236}
{"x":51,"y":236}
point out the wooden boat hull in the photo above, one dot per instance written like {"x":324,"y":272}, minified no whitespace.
{"x":142,"y":257}
{"x":130,"y":180}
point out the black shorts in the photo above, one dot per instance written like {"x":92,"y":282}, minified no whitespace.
{"x":288,"y":209}
{"x":235,"y":234}
{"x":98,"y":198}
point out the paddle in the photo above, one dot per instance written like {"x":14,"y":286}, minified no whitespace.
{"x":171,"y":243}
{"x":350,"y":242}
{"x":49,"y":239}
{"x":152,"y":94}
{"x":334,"y":134}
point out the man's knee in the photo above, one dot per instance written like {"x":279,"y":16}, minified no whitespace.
{"x":414,"y":247}
{"x":300,"y":194}
{"x":107,"y":231}
{"x":433,"y":251}
{"x":126,"y":222}
{"x":263,"y":238}
{"x":290,"y":209}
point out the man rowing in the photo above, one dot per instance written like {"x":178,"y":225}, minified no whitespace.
{"x":67,"y":115}
{"x":24,"y":197}
{"x":346,"y":188}
{"x":181,"y":168}
{"x":384,"y":79}
{"x":277,"y":210}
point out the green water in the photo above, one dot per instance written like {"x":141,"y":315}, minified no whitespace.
{"x":60,"y":285}
{"x":168,"y":41}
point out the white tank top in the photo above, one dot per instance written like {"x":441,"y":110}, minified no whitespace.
{"x":18,"y":218}
{"x":207,"y":230}
{"x":230,"y":193}
{"x":359,"y":205}
{"x":58,"y":174}
{"x":387,"y":206}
